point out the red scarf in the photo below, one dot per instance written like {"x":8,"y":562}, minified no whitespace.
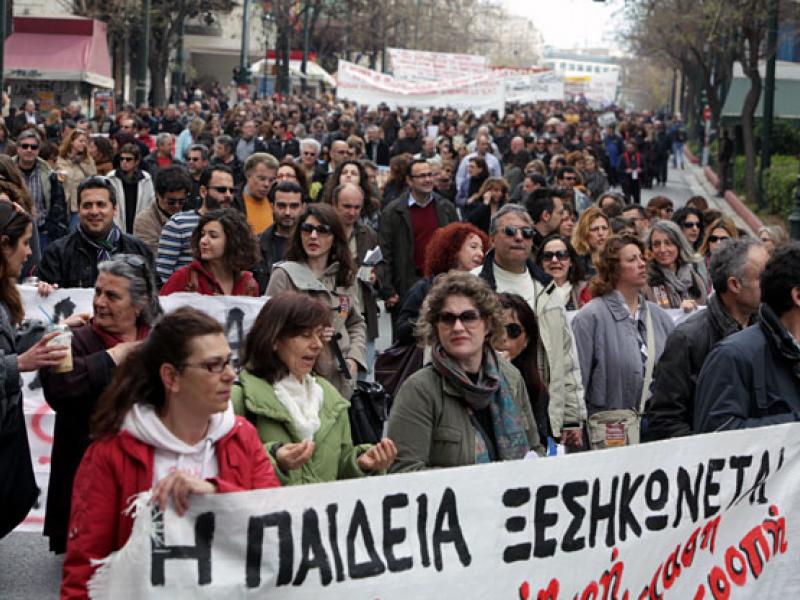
{"x":627,"y":158}
{"x":111,"y":339}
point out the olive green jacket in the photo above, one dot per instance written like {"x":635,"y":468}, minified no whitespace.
{"x":430,"y":424}
{"x":334,"y":456}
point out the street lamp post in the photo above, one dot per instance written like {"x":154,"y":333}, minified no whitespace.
{"x":244,"y":59}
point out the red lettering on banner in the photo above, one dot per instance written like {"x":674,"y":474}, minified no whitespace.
{"x":754,"y":555}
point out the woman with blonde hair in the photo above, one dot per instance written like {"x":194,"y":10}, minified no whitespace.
{"x":75,"y":164}
{"x":589,"y":237}
{"x":719,"y":231}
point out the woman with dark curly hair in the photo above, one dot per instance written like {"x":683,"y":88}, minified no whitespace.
{"x":468,"y":405}
{"x":319,"y":263}
{"x":457,"y":247}
{"x":224,"y":250}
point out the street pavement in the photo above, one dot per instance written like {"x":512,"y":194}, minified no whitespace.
{"x":29,"y":571}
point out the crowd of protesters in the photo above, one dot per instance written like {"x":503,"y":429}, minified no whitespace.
{"x":522,"y":274}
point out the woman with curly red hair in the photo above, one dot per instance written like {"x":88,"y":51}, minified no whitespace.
{"x":456,"y":247}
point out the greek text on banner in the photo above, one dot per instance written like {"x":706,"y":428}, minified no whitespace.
{"x":712,"y":516}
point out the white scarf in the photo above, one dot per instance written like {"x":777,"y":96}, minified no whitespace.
{"x":303,"y":400}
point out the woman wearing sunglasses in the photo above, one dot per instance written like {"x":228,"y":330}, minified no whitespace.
{"x":468,"y":405}
{"x":558,"y":259}
{"x":300,"y":417}
{"x":164,"y":424}
{"x":319,"y":263}
{"x":224,"y":250}
{"x":719,"y":231}
{"x":520,"y":345}
{"x":125,"y":306}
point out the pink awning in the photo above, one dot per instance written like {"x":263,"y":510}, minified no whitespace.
{"x":59,"y":49}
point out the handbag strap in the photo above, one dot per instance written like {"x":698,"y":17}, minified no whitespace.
{"x":651,"y":358}
{"x":337,"y":352}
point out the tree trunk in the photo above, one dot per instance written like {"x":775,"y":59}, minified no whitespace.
{"x":748,"y":133}
{"x":158,"y":64}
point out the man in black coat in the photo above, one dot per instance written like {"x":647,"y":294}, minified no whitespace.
{"x":71,"y":261}
{"x":752,"y":378}
{"x":735,"y":269}
{"x":376,"y":149}
{"x":282,"y":145}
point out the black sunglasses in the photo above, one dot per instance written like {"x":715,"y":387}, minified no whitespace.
{"x":691,"y":225}
{"x":513,"y":330}
{"x":467,"y":318}
{"x":511,"y":231}
{"x":718,"y":238}
{"x":559,"y":254}
{"x":322,"y":229}
{"x":222,"y":189}
{"x":28,"y":146}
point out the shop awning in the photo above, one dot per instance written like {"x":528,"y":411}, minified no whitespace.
{"x":787,"y":92}
{"x":58,"y":49}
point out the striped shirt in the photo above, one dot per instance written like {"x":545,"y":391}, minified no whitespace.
{"x":174,"y":247}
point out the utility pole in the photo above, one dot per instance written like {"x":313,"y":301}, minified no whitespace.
{"x":244,"y":58}
{"x":306,"y":41}
{"x":769,"y":100}
{"x":178,"y":75}
{"x":144,"y":56}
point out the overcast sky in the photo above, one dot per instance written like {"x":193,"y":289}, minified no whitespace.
{"x":570,"y":23}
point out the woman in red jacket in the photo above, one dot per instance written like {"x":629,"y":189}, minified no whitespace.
{"x":224,"y":250}
{"x":165,"y":423}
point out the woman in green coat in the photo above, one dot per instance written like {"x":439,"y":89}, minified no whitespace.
{"x":300,"y":417}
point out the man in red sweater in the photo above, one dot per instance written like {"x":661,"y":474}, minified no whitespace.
{"x":407,"y":225}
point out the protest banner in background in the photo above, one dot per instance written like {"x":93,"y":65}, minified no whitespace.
{"x":533,"y":87}
{"x":420,"y":65}
{"x":712,"y":516}
{"x":477,"y":92}
{"x":235,"y":313}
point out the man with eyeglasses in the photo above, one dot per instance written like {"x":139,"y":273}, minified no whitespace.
{"x":197,"y":162}
{"x":133,"y":187}
{"x":508,"y":267}
{"x":71,"y":261}
{"x":174,"y":245}
{"x":173,"y":187}
{"x":637,"y":214}
{"x":45,"y":188}
{"x":567,"y":178}
{"x":407,"y":225}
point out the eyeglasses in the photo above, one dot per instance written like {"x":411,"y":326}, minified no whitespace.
{"x":214,"y":365}
{"x":194,"y":159}
{"x":468,"y":318}
{"x":422,"y":176}
{"x":558,"y":254}
{"x":570,"y":179}
{"x":222,"y":189}
{"x":126,"y":158}
{"x":175,"y":201}
{"x":28,"y":146}
{"x":513,"y":330}
{"x":718,"y":238}
{"x":322,"y":229}
{"x":691,"y":225}
{"x":309,"y":153}
{"x":599,"y":229}
{"x":511,"y":231}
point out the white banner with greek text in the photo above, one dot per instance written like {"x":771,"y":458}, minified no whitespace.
{"x":712,"y":516}
{"x":420,"y":65}
{"x":478,"y":92}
